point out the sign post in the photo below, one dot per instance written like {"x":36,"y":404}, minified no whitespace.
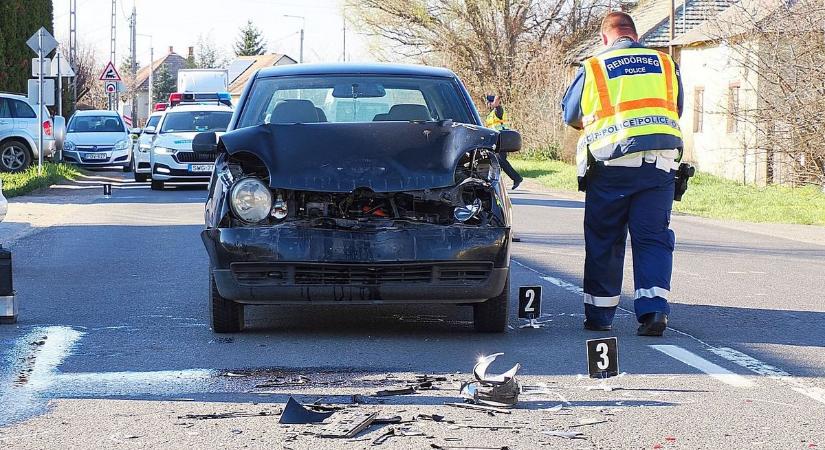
{"x":42,"y":42}
{"x":110,"y":75}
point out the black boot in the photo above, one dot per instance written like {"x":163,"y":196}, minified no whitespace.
{"x":588,"y":325}
{"x":653,"y":324}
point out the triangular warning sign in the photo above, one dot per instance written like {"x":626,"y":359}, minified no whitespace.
{"x":110,"y":73}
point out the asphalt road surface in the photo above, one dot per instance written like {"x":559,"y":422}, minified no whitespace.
{"x":113,"y":346}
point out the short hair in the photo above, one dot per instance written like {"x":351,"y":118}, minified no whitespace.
{"x":618,"y":21}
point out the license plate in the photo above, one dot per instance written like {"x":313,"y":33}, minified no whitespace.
{"x":201,"y":167}
{"x":96,"y":156}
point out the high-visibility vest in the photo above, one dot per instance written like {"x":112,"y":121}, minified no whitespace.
{"x":628,"y":93}
{"x":492,"y":120}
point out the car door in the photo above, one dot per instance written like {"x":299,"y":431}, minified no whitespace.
{"x":6,"y":119}
{"x":24,"y":117}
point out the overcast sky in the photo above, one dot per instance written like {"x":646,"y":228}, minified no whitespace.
{"x":178,"y":23}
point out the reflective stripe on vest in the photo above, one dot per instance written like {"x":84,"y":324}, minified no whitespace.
{"x":492,"y":121}
{"x":627,"y":93}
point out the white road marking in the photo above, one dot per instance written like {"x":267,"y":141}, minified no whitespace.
{"x":56,"y":347}
{"x":762,"y":368}
{"x":694,"y":360}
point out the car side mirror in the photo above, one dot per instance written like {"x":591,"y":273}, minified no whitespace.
{"x":149,"y":130}
{"x":205,"y":142}
{"x":59,"y":131}
{"x":509,"y":141}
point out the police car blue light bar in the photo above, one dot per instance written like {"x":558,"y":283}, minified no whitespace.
{"x":177,"y":98}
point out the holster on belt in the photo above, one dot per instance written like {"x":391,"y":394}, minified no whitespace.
{"x":683,"y":174}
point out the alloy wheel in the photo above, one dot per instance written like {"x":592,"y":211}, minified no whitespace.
{"x":13,"y":157}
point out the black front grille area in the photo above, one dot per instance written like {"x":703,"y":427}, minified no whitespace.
{"x":306,"y":274}
{"x":192,"y":157}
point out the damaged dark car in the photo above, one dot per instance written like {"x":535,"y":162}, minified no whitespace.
{"x":357,"y":184}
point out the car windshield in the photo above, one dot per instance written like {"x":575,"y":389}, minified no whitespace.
{"x":200,"y":121}
{"x":95,"y":124}
{"x":339,"y":98}
{"x":153,"y":121}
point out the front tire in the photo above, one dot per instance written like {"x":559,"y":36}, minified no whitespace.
{"x":492,"y":316}
{"x":227,"y":316}
{"x":157,"y":185}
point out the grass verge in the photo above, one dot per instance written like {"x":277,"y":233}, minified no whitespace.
{"x":16,"y":184}
{"x":709,"y":196}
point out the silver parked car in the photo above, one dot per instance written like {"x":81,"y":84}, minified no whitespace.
{"x":20,"y":133}
{"x":98,"y":138}
{"x":141,"y":166}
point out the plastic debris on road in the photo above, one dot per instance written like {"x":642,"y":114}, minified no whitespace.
{"x":492,"y":390}
{"x":565,"y":434}
{"x":295,"y":413}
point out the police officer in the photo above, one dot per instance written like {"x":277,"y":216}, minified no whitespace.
{"x":497,"y":120}
{"x":627,"y":100}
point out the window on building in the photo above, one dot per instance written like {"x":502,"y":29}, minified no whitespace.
{"x":698,"y":109}
{"x":733,"y":108}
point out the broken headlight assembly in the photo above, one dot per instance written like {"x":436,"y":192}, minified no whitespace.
{"x":250,"y":200}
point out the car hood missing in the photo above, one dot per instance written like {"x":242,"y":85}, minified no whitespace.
{"x":343,"y":157}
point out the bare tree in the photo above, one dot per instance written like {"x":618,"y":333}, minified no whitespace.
{"x":510,"y":47}
{"x":781,"y":48}
{"x":90,"y":90}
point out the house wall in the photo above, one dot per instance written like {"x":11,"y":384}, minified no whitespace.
{"x":733,"y":155}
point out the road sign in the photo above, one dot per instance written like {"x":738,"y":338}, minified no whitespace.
{"x":43,"y":41}
{"x":529,"y":302}
{"x":47,"y":67}
{"x":65,"y":68}
{"x":48,"y":91}
{"x":110,"y":73}
{"x":603,"y":357}
{"x":111,"y":87}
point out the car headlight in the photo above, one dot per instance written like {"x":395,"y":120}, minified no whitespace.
{"x":122,"y":144}
{"x":250,"y":200}
{"x":68,"y":146}
{"x":164,"y":151}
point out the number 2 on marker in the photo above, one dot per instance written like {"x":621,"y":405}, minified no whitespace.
{"x":605,"y":362}
{"x":531,"y":295}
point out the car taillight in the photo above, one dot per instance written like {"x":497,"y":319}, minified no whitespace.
{"x":47,"y":128}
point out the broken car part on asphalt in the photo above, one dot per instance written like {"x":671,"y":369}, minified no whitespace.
{"x":295,"y":413}
{"x":492,"y":390}
{"x":396,"y":431}
{"x":347,"y":424}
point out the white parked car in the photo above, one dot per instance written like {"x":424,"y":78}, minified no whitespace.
{"x":98,"y":138}
{"x":141,"y":164}
{"x":20,"y":133}
{"x":172,"y":158}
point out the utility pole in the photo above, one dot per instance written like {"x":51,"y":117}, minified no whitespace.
{"x":672,"y":27}
{"x":134,"y":67}
{"x":113,"y":45}
{"x":151,"y":73}
{"x":345,"y":40}
{"x":303,"y":25}
{"x":73,"y":48}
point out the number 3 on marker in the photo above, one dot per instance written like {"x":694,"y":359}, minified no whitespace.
{"x":604,"y":363}
{"x":531,"y":295}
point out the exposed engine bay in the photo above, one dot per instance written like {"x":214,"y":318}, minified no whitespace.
{"x":472,"y":200}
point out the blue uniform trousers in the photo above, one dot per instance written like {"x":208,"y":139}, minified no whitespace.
{"x":619,"y":199}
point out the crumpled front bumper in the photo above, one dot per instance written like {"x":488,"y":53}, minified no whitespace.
{"x":292,"y":264}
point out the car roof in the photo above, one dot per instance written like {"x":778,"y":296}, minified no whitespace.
{"x":96,"y":112}
{"x":356,"y":69}
{"x":210,"y":107}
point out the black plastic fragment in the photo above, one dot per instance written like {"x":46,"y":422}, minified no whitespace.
{"x":295,"y":413}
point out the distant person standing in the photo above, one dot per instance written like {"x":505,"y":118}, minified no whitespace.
{"x":497,"y":120}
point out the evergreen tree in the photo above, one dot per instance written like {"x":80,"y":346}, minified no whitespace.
{"x":19,"y":19}
{"x":250,"y":42}
{"x":163,"y":84}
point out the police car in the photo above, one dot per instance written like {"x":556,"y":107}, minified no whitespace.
{"x":171,"y":157}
